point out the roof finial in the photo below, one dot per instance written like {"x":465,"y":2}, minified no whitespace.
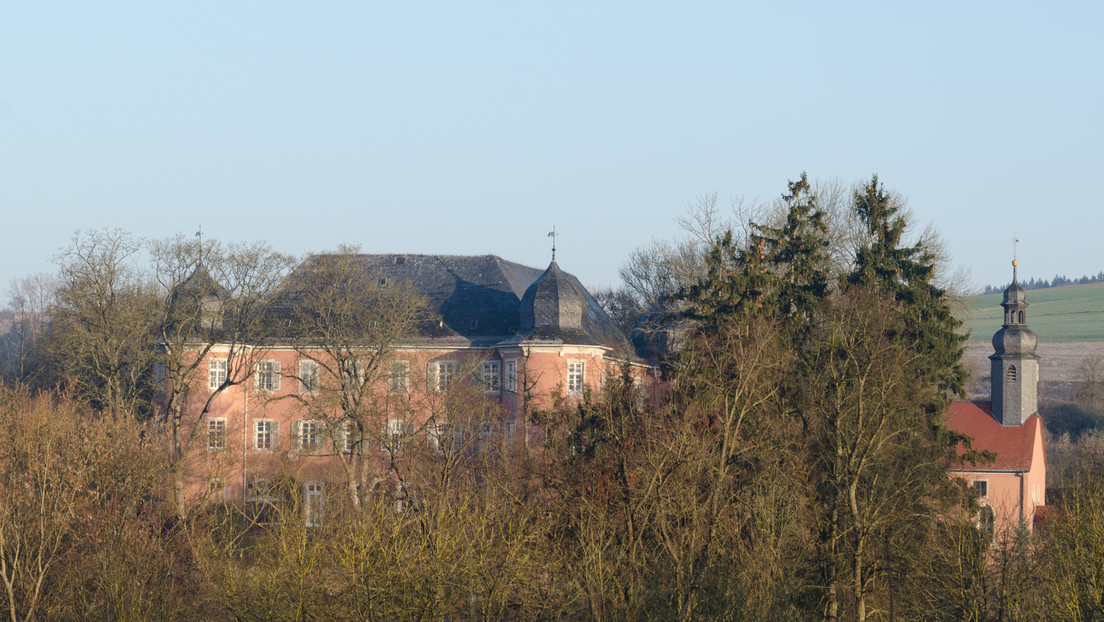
{"x":1015,"y":262}
{"x":199,"y":234}
{"x":552,"y":234}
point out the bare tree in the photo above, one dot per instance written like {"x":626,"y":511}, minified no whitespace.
{"x":208,"y":296}
{"x":29,"y":300}
{"x":103,"y":322}
{"x":346,"y":321}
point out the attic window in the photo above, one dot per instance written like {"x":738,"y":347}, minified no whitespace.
{"x":474,"y":324}
{"x":1010,"y":376}
{"x":400,"y":261}
{"x":383,"y":281}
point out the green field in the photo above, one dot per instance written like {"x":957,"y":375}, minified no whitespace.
{"x":1057,"y":315}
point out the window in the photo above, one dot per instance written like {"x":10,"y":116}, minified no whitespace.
{"x":352,"y":372}
{"x":313,"y":500}
{"x":457,"y":438}
{"x":216,"y":434}
{"x":442,"y":437}
{"x":216,"y":490}
{"x":398,"y":377}
{"x":484,"y":437}
{"x":267,"y":376}
{"x":441,"y":374}
{"x":309,"y":435}
{"x":346,"y":440}
{"x":981,"y":487}
{"x":986,"y":519}
{"x":511,"y":375}
{"x":435,"y":433}
{"x":489,"y":377}
{"x":266,"y":435}
{"x":404,"y":497}
{"x":308,"y":377}
{"x":1011,"y":374}
{"x":509,"y":434}
{"x":216,"y":373}
{"x":258,"y":490}
{"x":392,"y":438}
{"x":576,"y":377}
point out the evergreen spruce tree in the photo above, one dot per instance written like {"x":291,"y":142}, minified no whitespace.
{"x":906,"y":274}
{"x":797,"y":252}
{"x":781,"y":270}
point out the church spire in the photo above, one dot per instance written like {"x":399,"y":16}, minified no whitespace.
{"x":1015,"y":366}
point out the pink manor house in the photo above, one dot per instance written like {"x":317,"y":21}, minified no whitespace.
{"x":516,"y":335}
{"x":1011,"y":488}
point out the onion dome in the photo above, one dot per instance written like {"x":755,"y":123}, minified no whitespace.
{"x":1015,"y":337}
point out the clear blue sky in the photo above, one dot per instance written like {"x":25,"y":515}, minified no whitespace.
{"x":474,"y":127}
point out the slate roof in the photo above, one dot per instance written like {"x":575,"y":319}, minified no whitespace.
{"x":1013,"y":445}
{"x":479,"y":297}
{"x":555,"y":308}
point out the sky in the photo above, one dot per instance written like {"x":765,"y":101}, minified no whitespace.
{"x":476,"y":127}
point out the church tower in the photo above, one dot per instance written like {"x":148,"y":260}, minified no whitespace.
{"x":1015,"y":366}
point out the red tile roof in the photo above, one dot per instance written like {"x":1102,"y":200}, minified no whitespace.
{"x":1013,"y":445}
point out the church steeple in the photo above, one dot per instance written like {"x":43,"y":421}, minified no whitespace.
{"x":1015,"y":366}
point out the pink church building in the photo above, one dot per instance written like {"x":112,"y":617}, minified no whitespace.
{"x":519,"y":337}
{"x":1012,"y":488}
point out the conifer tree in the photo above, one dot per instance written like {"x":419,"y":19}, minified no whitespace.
{"x":906,"y":273}
{"x":780,"y":270}
{"x":797,"y":251}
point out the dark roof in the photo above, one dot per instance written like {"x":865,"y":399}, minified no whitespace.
{"x":200,"y":284}
{"x":479,"y":298}
{"x":555,"y":308}
{"x":1013,"y":445}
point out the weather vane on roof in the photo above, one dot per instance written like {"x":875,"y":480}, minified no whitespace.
{"x":552,"y":234}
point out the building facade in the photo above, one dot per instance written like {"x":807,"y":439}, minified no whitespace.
{"x":501,"y":337}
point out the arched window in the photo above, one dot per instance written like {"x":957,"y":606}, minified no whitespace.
{"x":1021,"y":317}
{"x":986,"y":520}
{"x":1010,"y":376}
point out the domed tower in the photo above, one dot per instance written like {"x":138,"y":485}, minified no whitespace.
{"x":1015,"y":366}
{"x":555,"y":308}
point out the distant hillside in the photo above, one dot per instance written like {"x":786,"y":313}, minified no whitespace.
{"x":1072,"y":313}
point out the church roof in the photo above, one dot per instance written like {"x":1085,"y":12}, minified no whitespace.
{"x":1014,"y":446}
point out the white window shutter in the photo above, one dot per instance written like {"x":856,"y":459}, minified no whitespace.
{"x":276,"y":375}
{"x":296,"y":437}
{"x":275,"y":436}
